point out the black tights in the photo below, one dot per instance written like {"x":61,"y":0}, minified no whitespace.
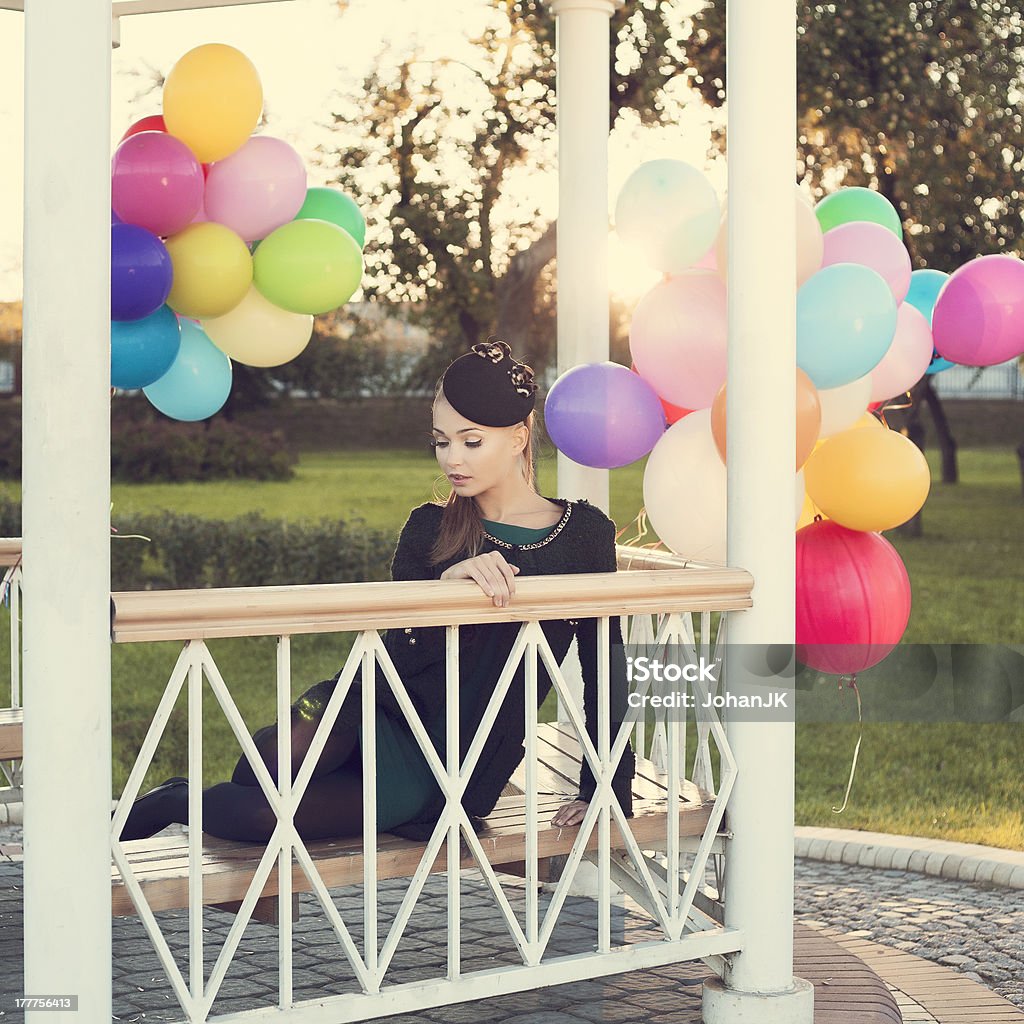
{"x":332,"y":805}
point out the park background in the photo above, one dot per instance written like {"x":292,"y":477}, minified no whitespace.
{"x":444,"y":133}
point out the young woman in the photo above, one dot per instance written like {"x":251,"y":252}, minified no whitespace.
{"x":494,"y":529}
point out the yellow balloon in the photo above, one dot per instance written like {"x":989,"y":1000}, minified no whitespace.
{"x":212,"y":100}
{"x":258,"y":333}
{"x":212,"y":270}
{"x":868,"y":480}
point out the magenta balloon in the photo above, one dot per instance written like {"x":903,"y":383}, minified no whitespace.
{"x":852,"y":597}
{"x":907,"y":358}
{"x":603,"y":415}
{"x":978,"y":318}
{"x":874,"y":246}
{"x":156,"y":183}
{"x":257,"y":188}
{"x":678,"y":337}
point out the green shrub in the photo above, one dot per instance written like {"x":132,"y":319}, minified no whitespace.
{"x":146,"y":448}
{"x":186,"y":552}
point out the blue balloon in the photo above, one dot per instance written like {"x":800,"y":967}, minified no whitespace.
{"x":925,"y":286}
{"x":845,"y":323}
{"x":603,"y":415}
{"x":140,"y":272}
{"x":142,"y":351}
{"x":198,"y":382}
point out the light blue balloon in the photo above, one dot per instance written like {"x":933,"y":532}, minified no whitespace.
{"x":925,"y":286}
{"x":198,"y":382}
{"x":142,"y":351}
{"x":845,"y":323}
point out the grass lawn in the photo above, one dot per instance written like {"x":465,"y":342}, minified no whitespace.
{"x":957,"y":781}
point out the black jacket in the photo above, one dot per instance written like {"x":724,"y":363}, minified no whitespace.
{"x":582,"y":541}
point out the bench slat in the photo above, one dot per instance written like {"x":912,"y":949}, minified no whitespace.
{"x":228,"y":871}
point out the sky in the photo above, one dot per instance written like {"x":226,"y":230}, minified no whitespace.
{"x":298,"y":47}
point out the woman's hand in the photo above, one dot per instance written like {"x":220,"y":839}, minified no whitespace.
{"x":496,"y":577}
{"x":571,"y":814}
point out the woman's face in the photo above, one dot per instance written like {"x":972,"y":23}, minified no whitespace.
{"x":475,"y":458}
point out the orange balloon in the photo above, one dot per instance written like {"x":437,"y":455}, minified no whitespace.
{"x":808,"y":418}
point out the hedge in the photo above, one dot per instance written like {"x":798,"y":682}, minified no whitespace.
{"x":187,"y":552}
{"x":145,"y":448}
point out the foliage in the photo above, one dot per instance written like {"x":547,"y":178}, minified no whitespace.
{"x":435,"y":146}
{"x":171,"y":550}
{"x":918,"y":98}
{"x":146,"y":447}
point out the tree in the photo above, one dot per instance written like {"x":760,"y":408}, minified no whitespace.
{"x":436,"y":149}
{"x":918,"y":99}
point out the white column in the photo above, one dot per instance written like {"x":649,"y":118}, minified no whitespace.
{"x":582,"y":257}
{"x":66,"y":498}
{"x":761,"y":92}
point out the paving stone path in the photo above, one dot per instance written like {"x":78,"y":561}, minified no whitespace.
{"x":975,"y":929}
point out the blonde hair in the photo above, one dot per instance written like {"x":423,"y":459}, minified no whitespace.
{"x":460,"y":532}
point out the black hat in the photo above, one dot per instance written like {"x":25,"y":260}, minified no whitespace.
{"x":487,"y":386}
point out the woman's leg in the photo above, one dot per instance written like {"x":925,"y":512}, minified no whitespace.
{"x":331,"y":807}
{"x":306,"y":715}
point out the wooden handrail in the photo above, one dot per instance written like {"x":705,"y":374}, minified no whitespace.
{"x":648,"y":581}
{"x":338,"y":607}
{"x":10,"y":551}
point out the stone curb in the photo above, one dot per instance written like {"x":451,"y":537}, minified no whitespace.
{"x":957,"y":862}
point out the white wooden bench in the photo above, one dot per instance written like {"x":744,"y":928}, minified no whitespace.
{"x":161,"y":863}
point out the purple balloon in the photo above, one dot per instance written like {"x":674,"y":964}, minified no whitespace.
{"x":140,"y":272}
{"x":603,"y":415}
{"x":978,"y":318}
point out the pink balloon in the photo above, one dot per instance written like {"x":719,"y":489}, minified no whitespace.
{"x":978,"y":318}
{"x":852,"y":597}
{"x":678,"y":338}
{"x":257,"y":188}
{"x":908,"y":357}
{"x":709,"y":261}
{"x":874,"y":246}
{"x":156,"y":183}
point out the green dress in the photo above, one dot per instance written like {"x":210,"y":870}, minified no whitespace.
{"x":405,"y":783}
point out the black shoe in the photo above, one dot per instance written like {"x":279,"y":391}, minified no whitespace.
{"x":152,"y":813}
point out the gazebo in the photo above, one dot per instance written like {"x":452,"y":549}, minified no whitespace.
{"x":67,"y":632}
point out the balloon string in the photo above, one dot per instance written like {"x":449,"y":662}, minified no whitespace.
{"x":891,"y":406}
{"x":856,"y":750}
{"x":641,"y":525}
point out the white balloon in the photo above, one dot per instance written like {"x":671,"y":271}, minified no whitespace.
{"x":684,"y":489}
{"x":841,"y":407}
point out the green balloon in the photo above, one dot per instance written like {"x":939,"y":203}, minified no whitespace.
{"x":850,"y":204}
{"x":308,"y":266}
{"x":335,"y":207}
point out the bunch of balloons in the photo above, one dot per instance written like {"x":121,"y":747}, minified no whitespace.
{"x":865,"y":326}
{"x":219,"y":251}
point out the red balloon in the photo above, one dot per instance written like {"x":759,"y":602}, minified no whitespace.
{"x":672,"y":412}
{"x":152,"y":123}
{"x":852,"y":598}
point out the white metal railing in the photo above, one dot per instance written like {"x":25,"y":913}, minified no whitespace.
{"x":10,"y":588}
{"x":657,"y":604}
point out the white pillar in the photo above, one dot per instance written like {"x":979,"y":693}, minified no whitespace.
{"x":66,"y":499}
{"x":582,"y":257}
{"x":761,"y":93}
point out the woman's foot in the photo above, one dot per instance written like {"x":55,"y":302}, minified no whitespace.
{"x":154,"y":811}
